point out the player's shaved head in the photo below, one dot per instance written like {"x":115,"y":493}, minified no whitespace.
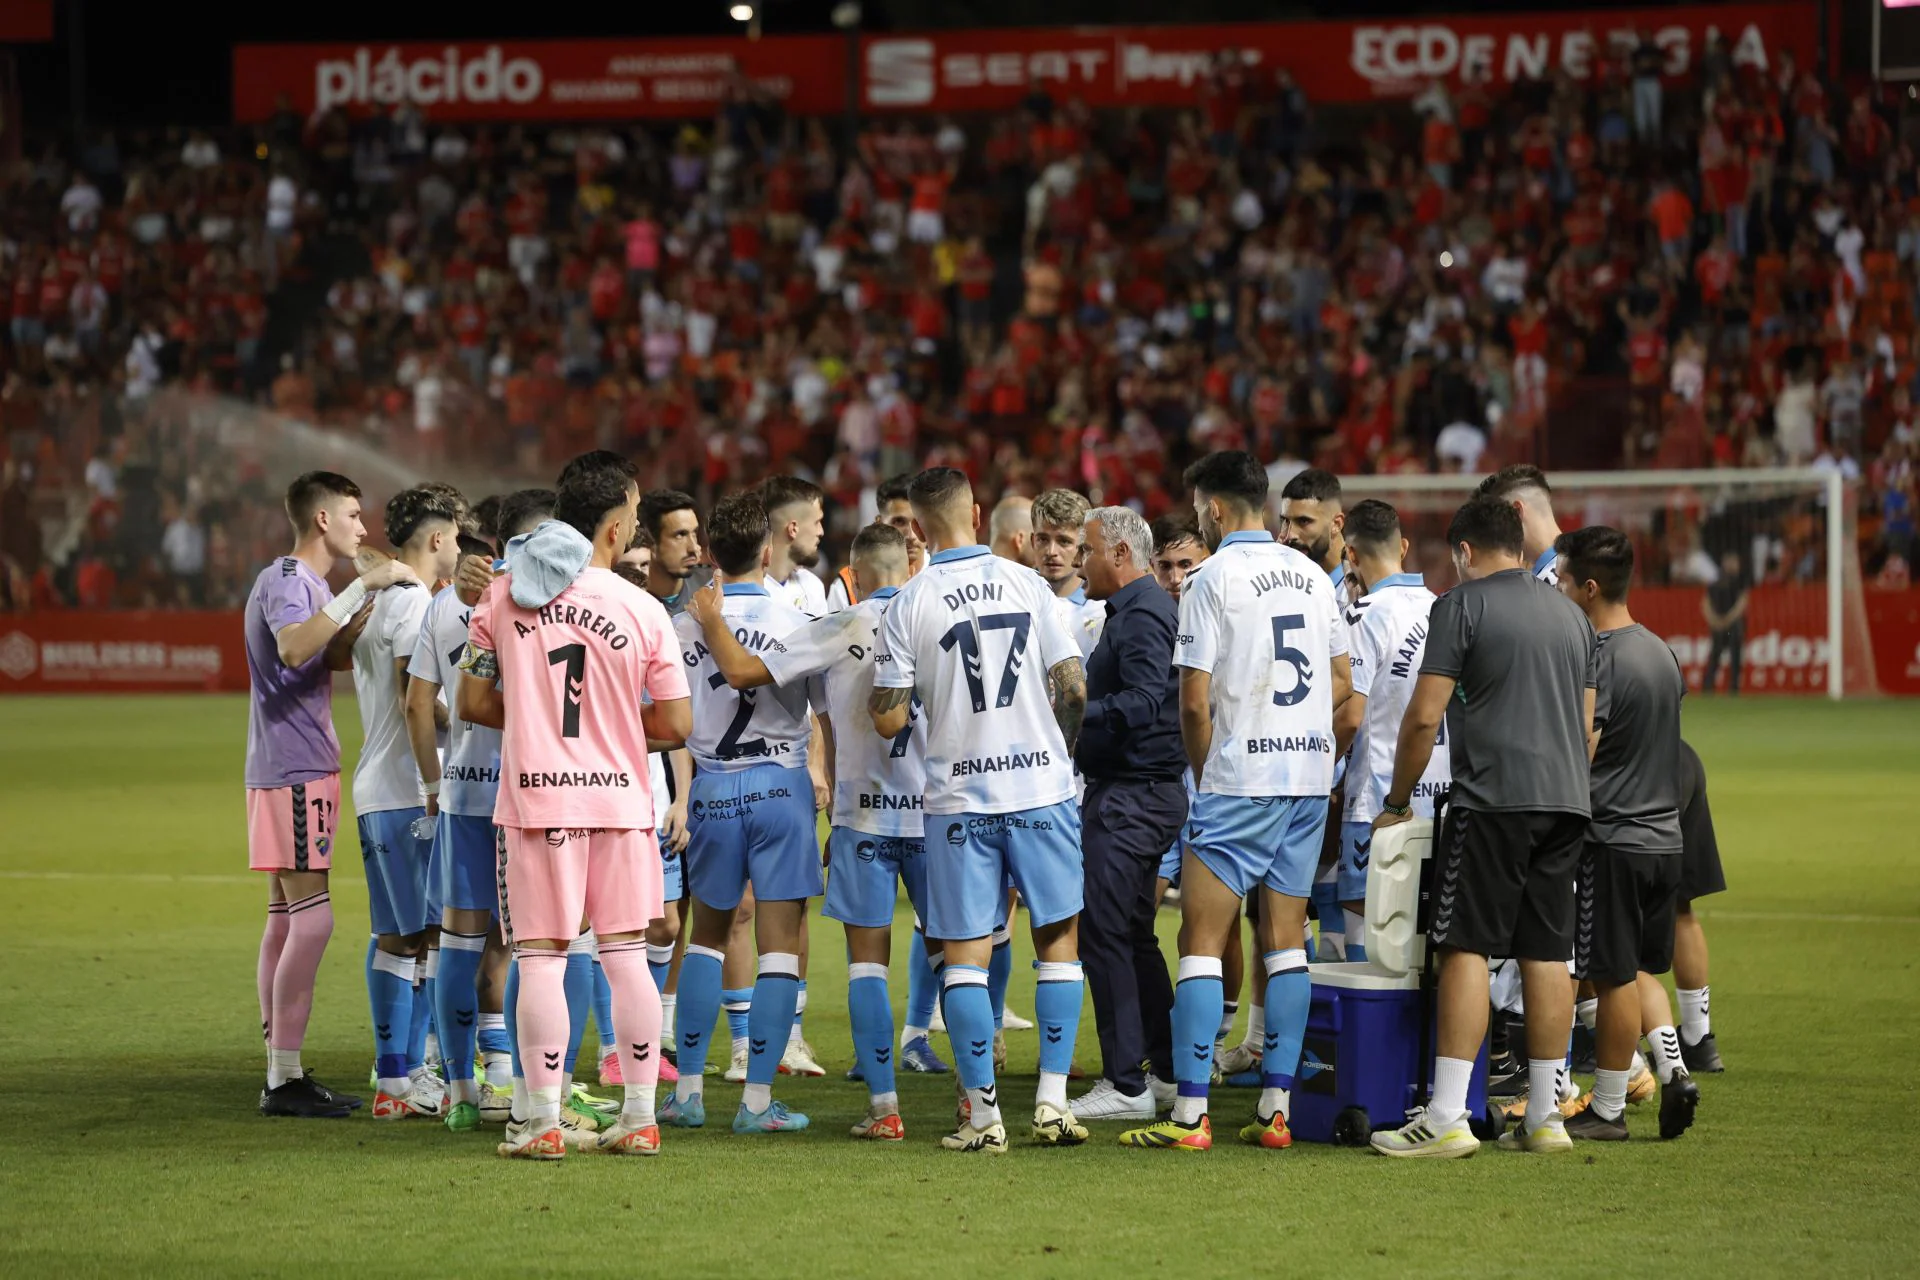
{"x":463,"y":512}
{"x":1521,"y":480}
{"x":314,"y":490}
{"x":1011,"y":515}
{"x":882,"y":549}
{"x":737,"y":534}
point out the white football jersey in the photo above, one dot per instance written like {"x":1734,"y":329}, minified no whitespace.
{"x":879,"y":784}
{"x":803,"y":590}
{"x":470,"y":772}
{"x":387,"y":777}
{"x":1547,"y":567}
{"x":1083,"y":619}
{"x":1389,"y":630}
{"x":1262,"y":619}
{"x":837,"y":598}
{"x":735,"y":729}
{"x":975,"y":637}
{"x":657,"y":779}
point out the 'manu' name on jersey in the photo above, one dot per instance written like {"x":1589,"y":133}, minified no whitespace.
{"x":1261,"y":618}
{"x":1388,"y":628}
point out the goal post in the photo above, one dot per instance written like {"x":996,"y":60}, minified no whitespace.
{"x":1776,"y":547}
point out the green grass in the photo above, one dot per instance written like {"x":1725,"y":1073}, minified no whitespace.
{"x":129,"y":1062}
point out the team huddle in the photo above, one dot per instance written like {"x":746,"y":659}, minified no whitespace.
{"x":589,"y":785}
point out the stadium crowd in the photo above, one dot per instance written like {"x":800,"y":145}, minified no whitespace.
{"x":1050,"y":297}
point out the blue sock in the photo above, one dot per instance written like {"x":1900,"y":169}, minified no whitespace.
{"x":800,"y":1007}
{"x":659,"y":965}
{"x":1198,"y":1000}
{"x":422,"y":1021}
{"x":511,"y":1010}
{"x":603,"y":1009}
{"x":1325,"y":898}
{"x":1058,"y":987}
{"x":457,"y":1001}
{"x":970,"y":1023}
{"x":999,"y":973}
{"x":1289,"y":994}
{"x":736,"y":1001}
{"x":390,"y":994}
{"x":698,"y":1010}
{"x":579,"y":988}
{"x":923,"y":988}
{"x":870,"y":1010}
{"x":776,"y":991}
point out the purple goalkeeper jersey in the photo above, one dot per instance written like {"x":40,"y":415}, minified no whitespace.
{"x":290,"y":735}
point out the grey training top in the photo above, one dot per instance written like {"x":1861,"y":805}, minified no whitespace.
{"x":1522,"y":655}
{"x":1636,"y":768}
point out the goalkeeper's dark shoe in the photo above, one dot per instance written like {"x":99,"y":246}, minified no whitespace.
{"x":1702,"y":1056}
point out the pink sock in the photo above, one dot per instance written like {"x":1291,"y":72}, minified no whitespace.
{"x":636,"y":1017}
{"x":309,"y":925}
{"x":543,"y":1027}
{"x":271,"y":943}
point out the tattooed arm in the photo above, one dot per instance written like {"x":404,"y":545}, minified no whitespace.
{"x":890,"y":709}
{"x":1067,"y":683}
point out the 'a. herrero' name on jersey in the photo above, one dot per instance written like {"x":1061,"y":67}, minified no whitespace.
{"x":572,"y":615}
{"x":577,"y":778}
{"x":1279,"y":579}
{"x":1002,"y":764}
{"x":1311,"y":742}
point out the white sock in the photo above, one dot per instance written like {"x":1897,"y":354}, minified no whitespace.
{"x":636,"y":1105}
{"x":757,"y":1097}
{"x":464,"y":1091}
{"x":690,"y":1088}
{"x":799,"y":1011}
{"x":1695,"y":1025}
{"x":499,"y":1070}
{"x":1189,"y":1111}
{"x":1274,"y":1102}
{"x":1229,"y":1011}
{"x":1588,"y":1011}
{"x":394,"y":1086}
{"x":1638,"y":1064}
{"x":1053,"y":1089}
{"x":984,"y":1104}
{"x":543,"y":1108}
{"x":1563,"y":1085}
{"x":1256,"y":1029}
{"x":1667,"y":1063}
{"x":1450,"y":1078}
{"x":566,"y":1085}
{"x":1356,"y":925}
{"x":1543,"y":1090}
{"x":884,"y":1104}
{"x":283,"y":1065}
{"x":668,"y":1003}
{"x":1609,"y":1093}
{"x":521,"y":1105}
{"x":739,"y":1044}
{"x":909,"y":1034}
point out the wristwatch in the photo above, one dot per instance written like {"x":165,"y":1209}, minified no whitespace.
{"x":1397,"y":810}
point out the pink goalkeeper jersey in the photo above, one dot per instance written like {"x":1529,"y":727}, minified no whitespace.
{"x":574,"y":753}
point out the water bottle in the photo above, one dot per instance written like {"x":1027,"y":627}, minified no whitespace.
{"x":422,"y":828}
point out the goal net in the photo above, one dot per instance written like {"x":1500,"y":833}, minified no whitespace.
{"x":1753,"y":577}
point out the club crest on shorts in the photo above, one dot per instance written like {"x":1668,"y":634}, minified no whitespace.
{"x":956,"y":834}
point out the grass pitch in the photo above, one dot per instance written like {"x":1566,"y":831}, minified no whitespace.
{"x":129,"y":1056}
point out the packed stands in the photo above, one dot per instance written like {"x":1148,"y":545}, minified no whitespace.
{"x":1714,"y":274}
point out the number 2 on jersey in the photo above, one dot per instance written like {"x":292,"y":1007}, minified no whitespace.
{"x":1284,"y":652}
{"x":730,"y":747}
{"x":967,"y":640}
